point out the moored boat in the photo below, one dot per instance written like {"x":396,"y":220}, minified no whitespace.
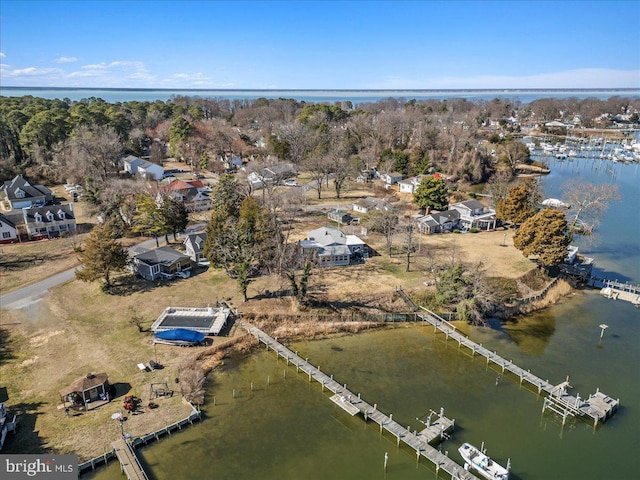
{"x":179,"y":336}
{"x":481,"y":463}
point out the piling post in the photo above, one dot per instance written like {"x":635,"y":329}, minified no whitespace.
{"x":386,"y":460}
{"x":252,"y":386}
{"x":268,"y":380}
{"x":234,"y":393}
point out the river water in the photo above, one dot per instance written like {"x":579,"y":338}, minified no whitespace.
{"x":289,"y":429}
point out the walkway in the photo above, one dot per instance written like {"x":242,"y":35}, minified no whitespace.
{"x":418,"y":441}
{"x":128,"y":461}
{"x":598,"y":406}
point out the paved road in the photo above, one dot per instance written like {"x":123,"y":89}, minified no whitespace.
{"x":33,"y":293}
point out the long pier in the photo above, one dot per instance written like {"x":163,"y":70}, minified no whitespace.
{"x":597,"y":406}
{"x":354,"y":404}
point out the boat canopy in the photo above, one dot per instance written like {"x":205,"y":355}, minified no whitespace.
{"x":180,"y":335}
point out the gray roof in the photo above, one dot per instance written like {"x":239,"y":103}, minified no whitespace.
{"x":131,"y":158}
{"x":196,"y":240}
{"x":162,"y":255}
{"x":29,"y":214}
{"x":446,"y":216}
{"x":471,"y":204}
{"x":327,"y":236}
{"x":30,"y":190}
{"x":4,"y":219}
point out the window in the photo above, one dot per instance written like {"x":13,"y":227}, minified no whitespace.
{"x":6,"y":234}
{"x":50,"y":216}
{"x":61,"y":215}
{"x":19,"y":193}
{"x":37,"y":217}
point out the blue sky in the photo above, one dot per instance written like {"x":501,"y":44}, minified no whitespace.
{"x":320,"y":45}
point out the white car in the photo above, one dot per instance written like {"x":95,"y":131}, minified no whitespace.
{"x":290,"y":183}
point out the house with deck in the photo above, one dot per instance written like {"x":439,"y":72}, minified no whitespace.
{"x":391,"y":178}
{"x":162,"y":262}
{"x":333,"y":248}
{"x":474,"y":214}
{"x":190,"y":194}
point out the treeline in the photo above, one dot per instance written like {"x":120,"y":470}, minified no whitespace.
{"x":55,"y":139}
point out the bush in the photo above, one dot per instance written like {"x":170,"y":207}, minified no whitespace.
{"x":456,"y":231}
{"x":473,"y":230}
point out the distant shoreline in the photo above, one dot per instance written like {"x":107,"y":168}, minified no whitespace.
{"x":355,"y":96}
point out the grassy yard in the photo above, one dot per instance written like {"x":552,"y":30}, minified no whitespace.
{"x":79,"y":329}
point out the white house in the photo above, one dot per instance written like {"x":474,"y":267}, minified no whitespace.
{"x":150,"y":171}
{"x":410,"y":185}
{"x":194,"y":245}
{"x":391,"y":178}
{"x":474,"y":214}
{"x":8,"y":231}
{"x":130,"y":164}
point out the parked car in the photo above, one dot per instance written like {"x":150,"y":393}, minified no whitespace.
{"x":290,"y":183}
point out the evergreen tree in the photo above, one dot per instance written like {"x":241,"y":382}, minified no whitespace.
{"x":545,"y":236}
{"x":520,"y":203}
{"x":148,"y":218}
{"x":101,"y":255}
{"x":432,"y":192}
{"x":174,"y":215}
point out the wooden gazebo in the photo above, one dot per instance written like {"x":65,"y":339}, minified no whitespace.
{"x":89,"y":391}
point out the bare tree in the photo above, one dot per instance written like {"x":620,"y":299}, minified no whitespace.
{"x":588,"y":203}
{"x":94,"y":151}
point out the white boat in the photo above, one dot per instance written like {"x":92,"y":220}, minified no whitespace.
{"x":481,"y":463}
{"x":555,"y":203}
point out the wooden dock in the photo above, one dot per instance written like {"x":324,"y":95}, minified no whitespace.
{"x":598,"y":407}
{"x":354,"y":404}
{"x":617,"y":290}
{"x":128,"y":460}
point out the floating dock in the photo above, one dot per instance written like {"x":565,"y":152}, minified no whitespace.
{"x":354,"y":404}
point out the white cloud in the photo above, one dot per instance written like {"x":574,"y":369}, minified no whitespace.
{"x":2,"y":55}
{"x":65,"y":60}
{"x":31,"y":72}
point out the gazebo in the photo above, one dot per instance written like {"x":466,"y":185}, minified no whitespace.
{"x":90,"y":391}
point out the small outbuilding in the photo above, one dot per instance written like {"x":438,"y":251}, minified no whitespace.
{"x":90,"y":391}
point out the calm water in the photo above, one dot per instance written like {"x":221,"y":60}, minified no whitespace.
{"x":290,"y":430}
{"x":355,"y":96}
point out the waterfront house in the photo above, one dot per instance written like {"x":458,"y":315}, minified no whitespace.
{"x":426,"y":224}
{"x":8,"y":230}
{"x":474,"y":214}
{"x":334,"y":248}
{"x":20,"y":193}
{"x":162,"y":262}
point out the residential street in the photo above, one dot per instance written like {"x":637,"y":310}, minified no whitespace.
{"x":33,"y":293}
